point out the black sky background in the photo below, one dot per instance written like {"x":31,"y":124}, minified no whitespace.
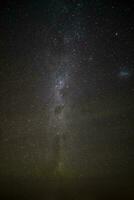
{"x":89,"y":42}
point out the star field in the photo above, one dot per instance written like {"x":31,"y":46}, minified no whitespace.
{"x":66,"y":92}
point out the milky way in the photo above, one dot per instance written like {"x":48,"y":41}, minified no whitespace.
{"x":67,"y":92}
{"x":57,"y":112}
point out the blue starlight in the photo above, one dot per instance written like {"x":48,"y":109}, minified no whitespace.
{"x":124,"y":73}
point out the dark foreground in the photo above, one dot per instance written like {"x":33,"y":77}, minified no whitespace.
{"x":58,"y":188}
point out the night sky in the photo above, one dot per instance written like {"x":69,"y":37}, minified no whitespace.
{"x":66,"y":93}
